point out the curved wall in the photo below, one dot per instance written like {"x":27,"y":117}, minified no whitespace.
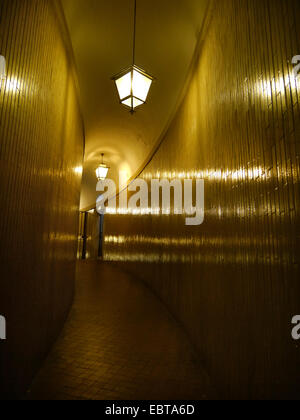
{"x":41,"y":152}
{"x":233,"y":282}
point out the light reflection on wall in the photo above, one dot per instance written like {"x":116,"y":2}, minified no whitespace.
{"x":267,"y":88}
{"x":195,"y":242}
{"x":135,"y":212}
{"x":191,"y":250}
{"x":211,"y":175}
{"x":11,"y":85}
{"x":78,"y":170}
{"x":61,"y":237}
{"x":233,"y":282}
{"x":168,"y":257}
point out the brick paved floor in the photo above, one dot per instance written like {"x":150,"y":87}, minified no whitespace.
{"x":119,"y":343}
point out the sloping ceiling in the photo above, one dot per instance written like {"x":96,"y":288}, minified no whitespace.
{"x":101,"y":33}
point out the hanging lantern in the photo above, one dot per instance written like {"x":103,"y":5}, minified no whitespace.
{"x":133,"y":87}
{"x":133,"y":84}
{"x":102,"y":170}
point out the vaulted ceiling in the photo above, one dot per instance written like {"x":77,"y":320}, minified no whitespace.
{"x":101,"y":34}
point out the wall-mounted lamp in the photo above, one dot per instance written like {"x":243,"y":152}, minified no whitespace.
{"x":2,"y":69}
{"x":102,"y":170}
{"x":133,"y":84}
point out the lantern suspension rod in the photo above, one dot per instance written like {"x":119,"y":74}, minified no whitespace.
{"x":134,"y":34}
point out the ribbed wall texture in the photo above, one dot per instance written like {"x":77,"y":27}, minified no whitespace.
{"x":41,"y":144}
{"x":234,"y":281}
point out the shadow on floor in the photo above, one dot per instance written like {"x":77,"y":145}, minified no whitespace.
{"x":119,"y":343}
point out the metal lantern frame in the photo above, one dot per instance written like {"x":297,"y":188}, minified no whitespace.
{"x":132,"y":95}
{"x":102,"y":166}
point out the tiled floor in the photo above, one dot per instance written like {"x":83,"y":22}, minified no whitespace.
{"x":119,"y":343}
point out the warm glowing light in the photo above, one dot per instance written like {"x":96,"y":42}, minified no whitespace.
{"x":13,"y":85}
{"x":237,"y":175}
{"x":78,"y":170}
{"x":102,"y":170}
{"x":267,"y":88}
{"x":124,"y":86}
{"x":141,"y":84}
{"x":133,"y":86}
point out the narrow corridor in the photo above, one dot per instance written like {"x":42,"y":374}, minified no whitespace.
{"x":119,"y":343}
{"x":162,"y":138}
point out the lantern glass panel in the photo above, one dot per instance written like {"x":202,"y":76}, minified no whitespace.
{"x":140,"y":85}
{"x":124,"y":86}
{"x":102,"y":172}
